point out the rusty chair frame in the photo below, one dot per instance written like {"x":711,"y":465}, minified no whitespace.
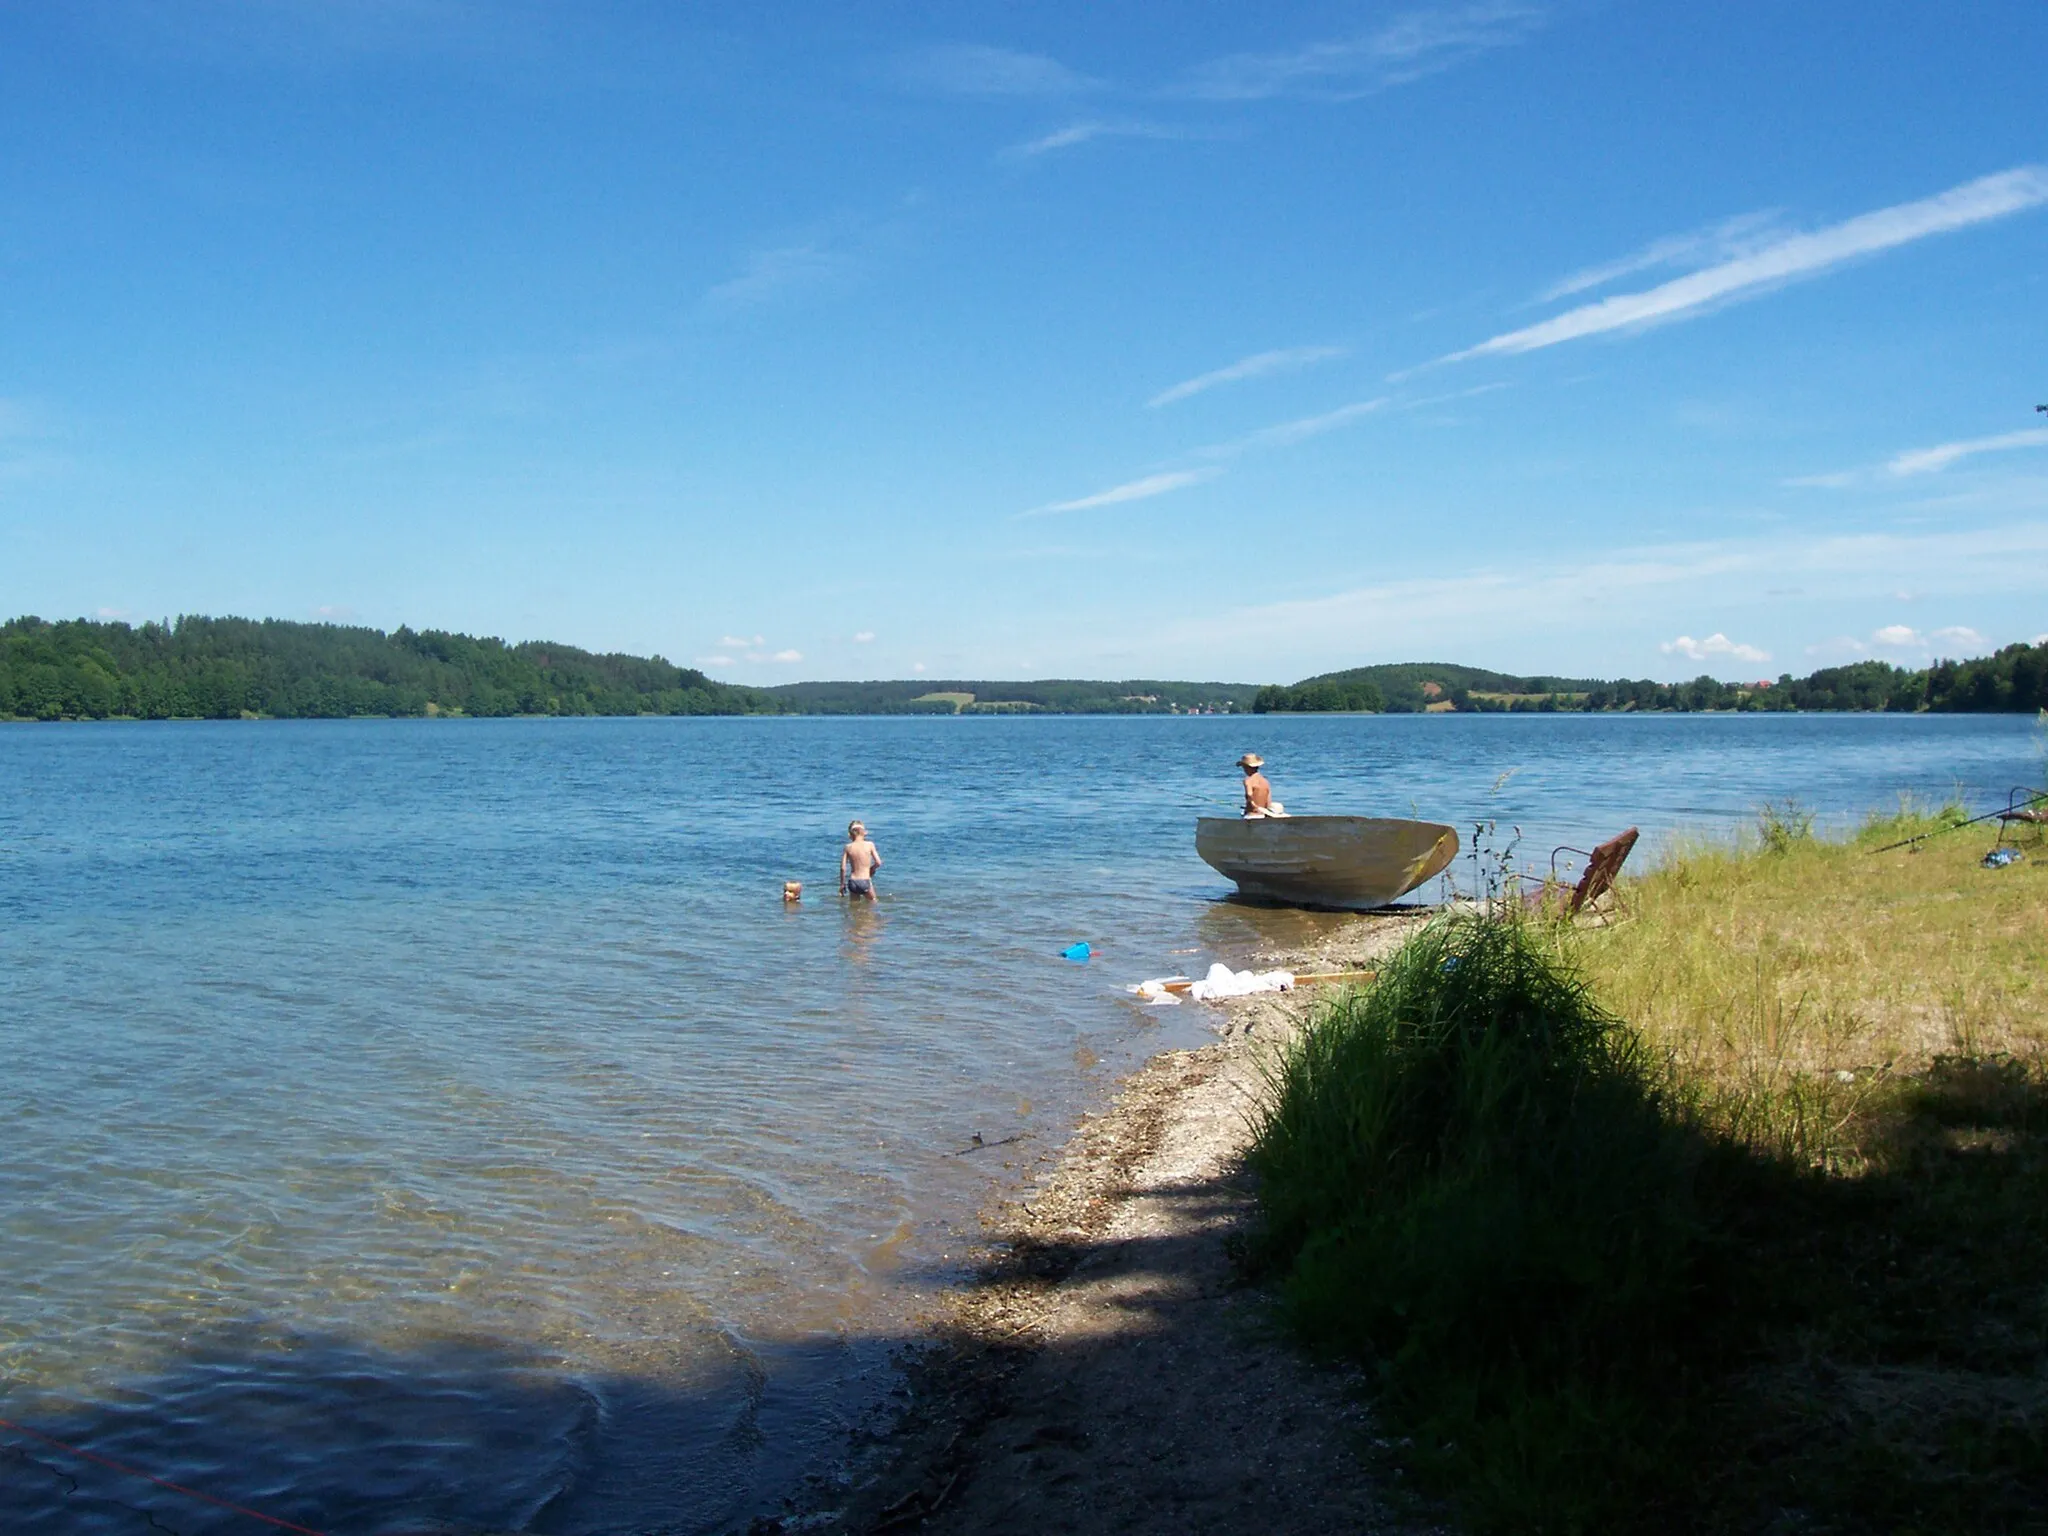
{"x":1603,"y":866}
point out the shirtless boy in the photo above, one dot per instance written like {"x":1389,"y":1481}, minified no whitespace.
{"x":858,"y":861}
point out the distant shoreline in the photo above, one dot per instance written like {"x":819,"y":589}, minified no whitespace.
{"x":226,"y":669}
{"x":459,"y":717}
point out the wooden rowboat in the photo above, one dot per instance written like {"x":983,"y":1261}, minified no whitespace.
{"x":1350,"y":862}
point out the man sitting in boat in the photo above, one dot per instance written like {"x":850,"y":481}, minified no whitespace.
{"x":1258,"y":794}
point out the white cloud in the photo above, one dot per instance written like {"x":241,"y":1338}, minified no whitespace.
{"x":1258,"y":365}
{"x":1289,"y":432}
{"x":334,"y":612}
{"x":1738,"y":236}
{"x":1283,"y":435}
{"x":975,"y":69}
{"x":1130,"y":490}
{"x":1975,"y":202}
{"x":864,"y":637}
{"x":1520,"y":604}
{"x":1716,"y":644}
{"x":738,"y":647}
{"x":1949,"y":640}
{"x":1083,"y":133}
{"x":2041,"y":639}
{"x":1059,"y":138}
{"x":769,"y":274}
{"x":917,"y":666}
{"x":1926,"y":461}
{"x":111,"y":613}
{"x":1412,"y":45}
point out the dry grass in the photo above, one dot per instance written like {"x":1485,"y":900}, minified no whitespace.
{"x":1790,"y":979}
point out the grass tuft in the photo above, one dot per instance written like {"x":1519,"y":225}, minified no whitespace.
{"x":1470,"y":1177}
{"x":1770,"y":1255}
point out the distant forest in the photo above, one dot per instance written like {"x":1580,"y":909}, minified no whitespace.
{"x":224,"y":669}
{"x":2014,"y":679}
{"x":204,"y":668}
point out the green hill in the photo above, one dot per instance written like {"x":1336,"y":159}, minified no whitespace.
{"x":1407,"y":686}
{"x":226,"y":668}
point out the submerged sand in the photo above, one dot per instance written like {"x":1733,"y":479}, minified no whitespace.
{"x":1108,"y":1371}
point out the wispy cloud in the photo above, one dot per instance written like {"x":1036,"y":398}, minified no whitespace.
{"x":1282,"y":435}
{"x":1795,"y":256}
{"x":1419,"y":43}
{"x":1730,"y":238}
{"x":1082,"y":133}
{"x":1525,"y":601}
{"x":1258,"y":365}
{"x":1923,"y":461}
{"x":1927,"y":461}
{"x":770,"y":274}
{"x":1834,"y":480}
{"x":1130,"y":490}
{"x":864,"y":637}
{"x":1716,"y":644}
{"x":737,"y":643}
{"x":1287,"y":433}
{"x":976,"y":69}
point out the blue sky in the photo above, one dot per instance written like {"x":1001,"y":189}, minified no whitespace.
{"x":998,"y":340}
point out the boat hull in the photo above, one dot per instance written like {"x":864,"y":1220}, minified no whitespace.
{"x":1348,"y":862}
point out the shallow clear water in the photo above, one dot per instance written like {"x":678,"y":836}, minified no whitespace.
{"x":414,"y":1122}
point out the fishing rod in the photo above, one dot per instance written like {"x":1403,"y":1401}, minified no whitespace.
{"x":2034,"y":797}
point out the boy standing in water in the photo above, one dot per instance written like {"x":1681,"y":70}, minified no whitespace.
{"x":858,"y":861}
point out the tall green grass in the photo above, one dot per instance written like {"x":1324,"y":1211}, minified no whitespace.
{"x":1470,"y":1176}
{"x":1770,"y":1255}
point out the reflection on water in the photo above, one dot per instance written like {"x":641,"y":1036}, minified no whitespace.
{"x":422,"y":1121}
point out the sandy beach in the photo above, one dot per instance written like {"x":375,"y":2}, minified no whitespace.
{"x":1107,"y":1370}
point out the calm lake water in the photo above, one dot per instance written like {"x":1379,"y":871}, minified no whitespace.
{"x":428,"y":1123}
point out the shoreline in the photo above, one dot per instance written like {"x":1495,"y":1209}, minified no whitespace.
{"x":1105,"y":1368}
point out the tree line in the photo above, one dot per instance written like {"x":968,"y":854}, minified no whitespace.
{"x":2014,"y":678}
{"x":225,"y":669}
{"x":208,"y":668}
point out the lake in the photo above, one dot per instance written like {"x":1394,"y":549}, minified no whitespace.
{"x":413,"y":1122}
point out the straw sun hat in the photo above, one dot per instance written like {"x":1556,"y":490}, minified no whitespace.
{"x":1251,"y":760}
